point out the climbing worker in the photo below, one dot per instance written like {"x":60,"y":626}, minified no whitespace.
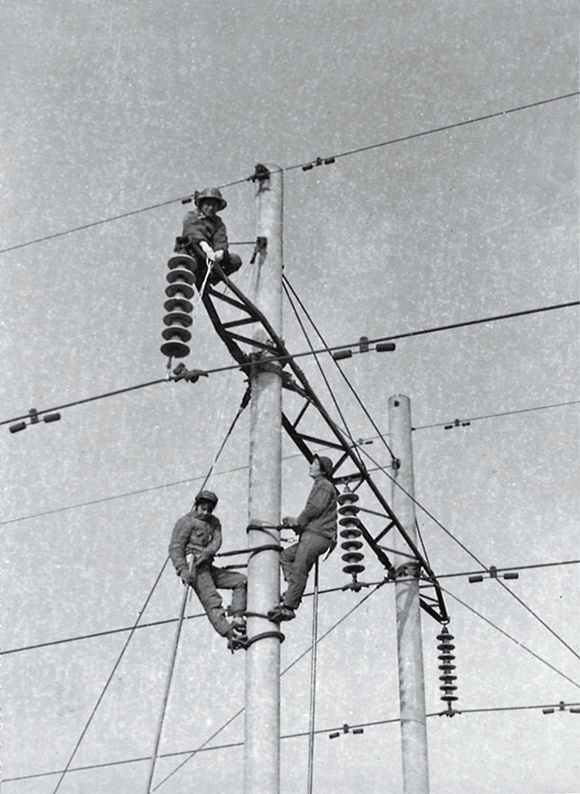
{"x":199,"y":534}
{"x":205,"y":237}
{"x":316,"y":527}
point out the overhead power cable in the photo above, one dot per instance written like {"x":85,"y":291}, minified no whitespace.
{"x":286,"y":669}
{"x":517,"y":642}
{"x":360,"y":441}
{"x":470,"y":419}
{"x":353,"y":391}
{"x":471,"y":554}
{"x":306,"y":353}
{"x":304,"y":166}
{"x":326,"y":591}
{"x":300,"y":735}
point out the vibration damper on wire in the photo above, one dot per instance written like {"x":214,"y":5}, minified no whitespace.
{"x":34,"y":419}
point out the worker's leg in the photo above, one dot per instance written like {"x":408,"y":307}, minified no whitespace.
{"x":287,"y":558}
{"x":210,"y":599}
{"x":310,"y":548}
{"x":234,"y":581}
{"x":231,"y":263}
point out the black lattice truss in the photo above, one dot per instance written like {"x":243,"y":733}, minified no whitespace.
{"x":350,"y":469}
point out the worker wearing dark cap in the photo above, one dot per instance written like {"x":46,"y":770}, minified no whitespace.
{"x":205,"y":237}
{"x":199,"y":534}
{"x":316,"y":526}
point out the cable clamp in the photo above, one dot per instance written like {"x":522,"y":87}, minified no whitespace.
{"x":259,"y":248}
{"x":261,"y":173}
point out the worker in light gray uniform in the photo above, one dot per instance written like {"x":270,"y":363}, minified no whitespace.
{"x":316,"y":526}
{"x":199,"y":534}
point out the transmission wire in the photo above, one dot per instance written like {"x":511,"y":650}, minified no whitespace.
{"x":289,"y":667}
{"x":334,"y":400}
{"x":369,"y":417}
{"x":516,"y":597}
{"x":299,"y":165}
{"x":408,"y":334}
{"x":517,"y":642}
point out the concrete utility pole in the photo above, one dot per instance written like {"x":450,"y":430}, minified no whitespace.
{"x":262,"y":726}
{"x":409,"y":641}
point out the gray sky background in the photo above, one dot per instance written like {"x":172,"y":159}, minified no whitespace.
{"x":112,"y":107}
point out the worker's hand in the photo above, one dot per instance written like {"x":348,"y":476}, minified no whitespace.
{"x":186,"y":576}
{"x":290,"y":522}
{"x":219,"y":255}
{"x":207,"y":250}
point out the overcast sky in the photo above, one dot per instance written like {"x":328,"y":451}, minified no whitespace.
{"x":112,"y":107}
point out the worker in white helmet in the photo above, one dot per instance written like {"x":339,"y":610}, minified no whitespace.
{"x":199,"y":534}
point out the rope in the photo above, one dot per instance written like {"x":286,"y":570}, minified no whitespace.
{"x":187,"y":592}
{"x":286,"y":670}
{"x":243,"y":404}
{"x":313,"y":668}
{"x":167,"y":687}
{"x":109,"y":679}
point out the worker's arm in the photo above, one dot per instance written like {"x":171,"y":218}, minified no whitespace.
{"x":318,"y":500}
{"x":178,"y":544}
{"x":214,"y":544}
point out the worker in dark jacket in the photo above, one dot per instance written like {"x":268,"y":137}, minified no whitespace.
{"x":316,"y":526}
{"x":205,"y":237}
{"x":199,"y":534}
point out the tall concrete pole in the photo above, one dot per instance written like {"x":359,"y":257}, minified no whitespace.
{"x":408,"y":609}
{"x":262,"y":725}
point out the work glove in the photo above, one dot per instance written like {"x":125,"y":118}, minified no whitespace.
{"x":208,"y":251}
{"x":186,"y":576}
{"x":219,"y":255}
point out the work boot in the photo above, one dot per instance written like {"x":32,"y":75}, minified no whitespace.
{"x":280,"y":613}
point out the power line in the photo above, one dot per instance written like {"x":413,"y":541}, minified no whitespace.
{"x":299,"y":735}
{"x":407,"y":334}
{"x":287,"y":669}
{"x":325,"y":591}
{"x":503,"y":413}
{"x":304,"y":166}
{"x":352,"y":389}
{"x":471,"y":554}
{"x":505,"y":633}
{"x":243,"y":468}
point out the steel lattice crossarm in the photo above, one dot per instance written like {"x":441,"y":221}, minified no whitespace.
{"x":350,"y":469}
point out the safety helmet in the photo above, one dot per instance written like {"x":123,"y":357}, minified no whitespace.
{"x":210,"y":193}
{"x":325,"y":464}
{"x":206,"y":496}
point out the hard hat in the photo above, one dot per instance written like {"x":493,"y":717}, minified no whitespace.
{"x":210,"y":193}
{"x":325,"y":464}
{"x":206,"y":496}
